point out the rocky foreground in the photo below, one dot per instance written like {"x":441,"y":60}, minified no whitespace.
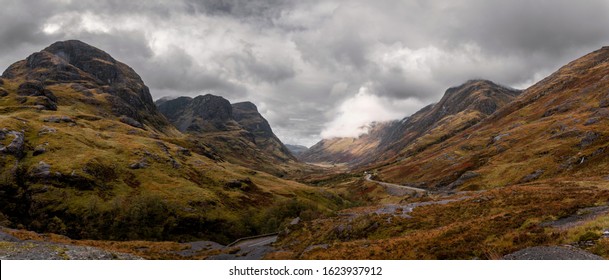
{"x":552,"y":253}
{"x":13,"y":248}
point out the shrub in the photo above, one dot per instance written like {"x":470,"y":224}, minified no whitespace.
{"x":589,"y":236}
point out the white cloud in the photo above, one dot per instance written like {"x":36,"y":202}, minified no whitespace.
{"x":356,"y":114}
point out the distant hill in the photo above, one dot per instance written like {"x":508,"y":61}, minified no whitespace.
{"x":296,"y":149}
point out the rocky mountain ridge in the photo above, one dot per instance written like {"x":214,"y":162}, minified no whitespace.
{"x":237,"y":131}
{"x":459,"y":108}
{"x":561,"y":120}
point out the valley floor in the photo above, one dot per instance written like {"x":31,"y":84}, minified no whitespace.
{"x":550,"y":220}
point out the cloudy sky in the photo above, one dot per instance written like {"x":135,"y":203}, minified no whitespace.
{"x":318,"y":68}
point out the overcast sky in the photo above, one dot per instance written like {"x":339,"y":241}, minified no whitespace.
{"x":317,"y":68}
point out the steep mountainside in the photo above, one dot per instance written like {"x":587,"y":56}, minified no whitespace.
{"x":556,"y":128}
{"x":247,"y":115}
{"x":237,"y":132}
{"x":459,"y":108}
{"x":204,"y":113}
{"x":85,"y":153}
{"x":96,"y":77}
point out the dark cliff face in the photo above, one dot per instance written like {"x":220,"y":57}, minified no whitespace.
{"x":242,"y":123}
{"x":246,"y":114}
{"x":204,"y":113}
{"x":89,"y":68}
{"x":172,"y":109}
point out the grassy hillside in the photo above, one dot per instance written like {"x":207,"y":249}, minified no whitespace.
{"x":81,"y":169}
{"x":556,"y":128}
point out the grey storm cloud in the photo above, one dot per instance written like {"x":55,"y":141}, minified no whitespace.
{"x":306,"y":63}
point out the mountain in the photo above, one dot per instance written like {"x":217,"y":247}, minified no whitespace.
{"x":94,"y":75}
{"x":204,"y":113}
{"x":84,"y":152}
{"x":236,"y":131}
{"x":459,"y":108}
{"x":554,"y":129}
{"x":348,"y":149}
{"x":296,"y":149}
{"x":247,"y":115}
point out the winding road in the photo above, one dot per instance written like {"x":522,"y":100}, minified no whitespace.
{"x":390,"y":185}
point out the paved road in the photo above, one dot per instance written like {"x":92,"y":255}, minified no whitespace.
{"x":249,"y":249}
{"x":262,"y":241}
{"x":390,"y":185}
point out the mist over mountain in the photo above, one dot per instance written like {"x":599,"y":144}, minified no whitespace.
{"x":460,"y":108}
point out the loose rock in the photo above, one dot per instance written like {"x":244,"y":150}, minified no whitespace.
{"x":16,"y":147}
{"x":58,"y":119}
{"x":533,"y":176}
{"x":183,"y":151}
{"x":588,"y":139}
{"x":46,"y":130}
{"x":143,"y":163}
{"x":42,"y":170}
{"x":131,"y":122}
{"x":40,"y":149}
{"x":552,"y":253}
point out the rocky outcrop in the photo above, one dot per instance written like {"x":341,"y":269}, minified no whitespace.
{"x":552,"y":253}
{"x":17,"y":146}
{"x":204,"y":113}
{"x":13,"y":248}
{"x":248,"y":117}
{"x":238,"y":131}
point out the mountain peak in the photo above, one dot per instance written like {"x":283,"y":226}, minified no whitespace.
{"x":246,"y":105}
{"x":214,"y":119}
{"x":73,"y":63}
{"x":85,"y":57}
{"x":75,"y":50}
{"x":204,"y":113}
{"x":481,"y":95}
